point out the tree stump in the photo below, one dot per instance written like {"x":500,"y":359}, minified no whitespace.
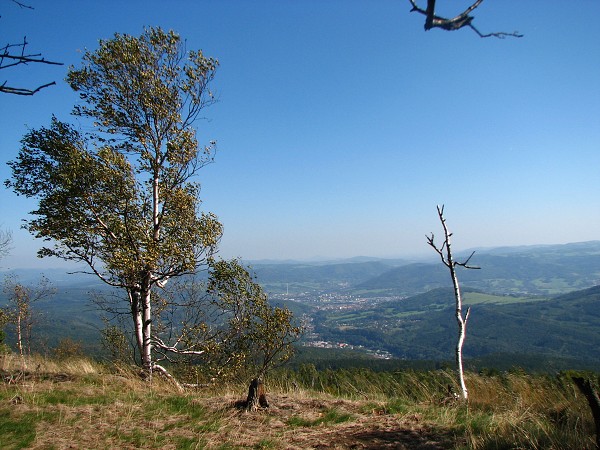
{"x":256,"y":395}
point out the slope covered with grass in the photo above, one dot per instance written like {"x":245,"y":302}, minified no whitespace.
{"x":80,"y":404}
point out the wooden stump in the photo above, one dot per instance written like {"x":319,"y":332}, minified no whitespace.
{"x":256,"y":395}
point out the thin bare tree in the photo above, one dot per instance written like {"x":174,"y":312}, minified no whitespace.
{"x":21,"y":298}
{"x":445,"y":253}
{"x":463,"y":19}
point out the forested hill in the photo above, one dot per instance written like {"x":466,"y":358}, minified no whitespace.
{"x":423,"y":326}
{"x":537,"y":301}
{"x":328,"y":275}
{"x":539,"y":270}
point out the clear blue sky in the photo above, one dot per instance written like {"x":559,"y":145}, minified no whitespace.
{"x":342,"y":123}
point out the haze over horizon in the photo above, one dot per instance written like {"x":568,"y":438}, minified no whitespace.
{"x":342,"y":124}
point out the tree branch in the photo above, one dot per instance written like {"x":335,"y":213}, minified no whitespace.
{"x":22,"y":91}
{"x":170,"y":377}
{"x":461,"y":20}
{"x":22,"y":5}
{"x":173,"y":349}
{"x":17,"y":58}
{"x":499,"y":35}
{"x":466,"y":263}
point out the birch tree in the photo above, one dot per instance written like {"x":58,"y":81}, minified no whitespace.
{"x":227,"y":326}
{"x":19,"y":311}
{"x":261,"y":334}
{"x":122,"y":199}
{"x":445,"y":253}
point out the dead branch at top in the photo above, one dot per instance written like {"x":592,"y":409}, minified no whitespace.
{"x":444,"y":250}
{"x":461,"y":20}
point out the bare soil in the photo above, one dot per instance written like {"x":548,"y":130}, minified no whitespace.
{"x":366,"y":427}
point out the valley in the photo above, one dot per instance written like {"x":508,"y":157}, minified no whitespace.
{"x":531,"y":307}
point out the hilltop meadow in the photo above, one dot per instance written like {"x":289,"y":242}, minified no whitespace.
{"x":79,"y":403}
{"x":522,"y":350}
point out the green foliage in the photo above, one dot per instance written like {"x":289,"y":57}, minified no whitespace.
{"x":114,"y":341}
{"x":239,"y":331}
{"x":122,"y":199}
{"x":92,"y":203}
{"x":68,"y":348}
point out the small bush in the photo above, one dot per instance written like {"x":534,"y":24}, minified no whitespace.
{"x":68,"y":348}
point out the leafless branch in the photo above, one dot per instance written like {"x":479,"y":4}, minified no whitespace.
{"x":499,"y":35}
{"x":444,"y":250}
{"x":167,"y":374}
{"x":173,"y":349}
{"x":12,"y":55}
{"x":22,"y":5}
{"x":461,"y":20}
{"x":22,"y":91}
{"x":466,"y":265}
{"x":5,"y":242}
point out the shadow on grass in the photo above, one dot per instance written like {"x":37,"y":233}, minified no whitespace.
{"x":419,"y":439}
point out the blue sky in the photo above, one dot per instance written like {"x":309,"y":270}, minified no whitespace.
{"x":342,"y":123}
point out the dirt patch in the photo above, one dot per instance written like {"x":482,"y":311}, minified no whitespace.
{"x":302,"y":423}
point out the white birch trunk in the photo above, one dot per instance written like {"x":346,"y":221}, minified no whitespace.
{"x":461,"y":321}
{"x":462,"y":330}
{"x":142,"y":322}
{"x":146,"y":348}
{"x":136,"y":314}
{"x":19,"y":334}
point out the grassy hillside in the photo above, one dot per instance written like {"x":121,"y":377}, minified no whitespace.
{"x":48,"y":404}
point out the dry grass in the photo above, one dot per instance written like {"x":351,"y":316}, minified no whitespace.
{"x":80,"y":404}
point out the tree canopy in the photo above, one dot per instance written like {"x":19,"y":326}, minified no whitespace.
{"x":123,"y":199}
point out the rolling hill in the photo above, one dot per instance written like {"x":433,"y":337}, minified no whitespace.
{"x":423,"y":326}
{"x":539,"y":301}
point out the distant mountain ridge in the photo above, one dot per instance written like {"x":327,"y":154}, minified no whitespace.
{"x":536,"y":269}
{"x":541,"y":270}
